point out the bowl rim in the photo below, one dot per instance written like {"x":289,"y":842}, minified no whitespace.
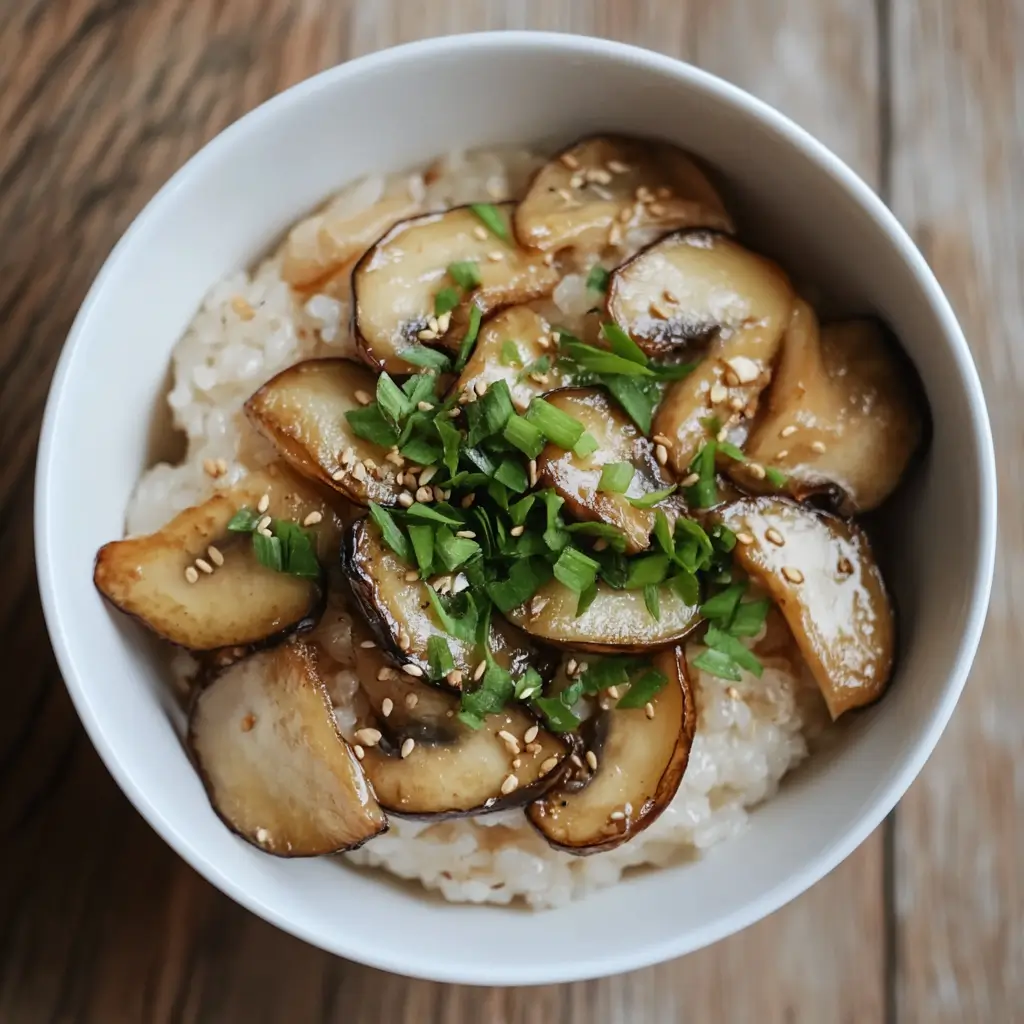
{"x":801,"y":878}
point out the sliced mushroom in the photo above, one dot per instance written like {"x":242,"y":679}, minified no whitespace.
{"x":302,"y":411}
{"x":275,"y":767}
{"x":596,"y":190}
{"x":640,"y":758}
{"x":323,"y":244}
{"x":397,"y":281}
{"x":532,"y":371}
{"x":199,"y":585}
{"x":448,"y":769}
{"x":577,"y":478}
{"x":700,"y":287}
{"x":821,"y":572}
{"x":398,"y":609}
{"x":843,"y":414}
{"x":617,"y":620}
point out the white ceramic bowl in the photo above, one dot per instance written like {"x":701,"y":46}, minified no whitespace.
{"x":384,"y":112}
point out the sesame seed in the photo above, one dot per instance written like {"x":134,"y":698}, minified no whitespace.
{"x":412,"y":670}
{"x":570,"y":161}
{"x":577,"y":181}
{"x":731,"y":379}
{"x":359,"y":472}
{"x":495,"y":256}
{"x":465,"y":534}
{"x":411,"y":700}
{"x":661,"y":439}
{"x":600,"y":544}
{"x":616,"y":816}
{"x":215,"y":555}
{"x":204,"y":566}
{"x":661,"y":454}
{"x":792,"y":574}
{"x":689,"y":481}
{"x":649,"y":709}
{"x":426,"y":335}
{"x":746,"y":369}
{"x":468,"y":500}
{"x":572,"y":667}
{"x":368,"y":737}
{"x":433,"y":324}
{"x":444,"y":321}
{"x":616,"y":167}
{"x":745,"y":538}
{"x":576,"y":760}
{"x":480,"y":232}
{"x":408,"y":746}
{"x":510,"y":785}
{"x":643,"y":194}
{"x":718,"y":393}
{"x":548,"y":765}
{"x":454,"y":678}
{"x":600,"y":175}
{"x":757,"y":471}
{"x":517,"y":763}
{"x":732,"y":693}
{"x":313,"y":518}
{"x":348,"y":456}
{"x":565,"y":194}
{"x":404,"y":640}
{"x":395,"y":458}
{"x":358,"y":751}
{"x":781,"y":455}
{"x":517,"y":531}
{"x":736,"y":403}
{"x":405,"y":499}
{"x":818,"y":446}
{"x":532,"y":748}
{"x":263,"y":504}
{"x":427,"y":475}
{"x":509,"y":740}
{"x":592,"y":760}
{"x":773,"y":536}
{"x":657,"y":209}
{"x":613,"y":692}
{"x":362,"y":397}
{"x":242,"y":307}
{"x":262,"y":835}
{"x":265,"y":532}
{"x":531,"y":734}
{"x":264,"y":523}
{"x":411,"y":576}
{"x":615,"y":235}
{"x":478,"y":672}
{"x":480,"y":387}
{"x":424,"y":406}
{"x":533,"y":472}
{"x":787,"y":431}
{"x":548,"y":259}
{"x":424,"y":494}
{"x":387,"y":705}
{"x":385,"y":672}
{"x":248,"y":722}
{"x":368,"y":645}
{"x":453,"y":414}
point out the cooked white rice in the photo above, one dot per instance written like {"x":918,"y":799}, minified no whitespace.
{"x":251,"y":326}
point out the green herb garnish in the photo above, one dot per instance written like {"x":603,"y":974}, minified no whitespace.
{"x":575,"y":570}
{"x":598,"y":278}
{"x":616,"y":477}
{"x":557,"y":426}
{"x":491,"y":218}
{"x":472,"y":330}
{"x":644,"y":689}
{"x":465,"y":273}
{"x":510,"y":355}
{"x":653,"y":498}
{"x":446,"y":300}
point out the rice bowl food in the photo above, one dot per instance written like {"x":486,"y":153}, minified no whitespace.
{"x":523,"y":498}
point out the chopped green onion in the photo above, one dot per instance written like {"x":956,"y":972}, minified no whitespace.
{"x":528,"y":684}
{"x":558,"y":711}
{"x":612,"y":671}
{"x":446,"y":300}
{"x":525,"y":578}
{"x":512,"y":475}
{"x":586,"y":445}
{"x":749,"y":617}
{"x":599,"y":360}
{"x":268,"y":551}
{"x":663,"y":533}
{"x":393,"y":536}
{"x":419,"y":387}
{"x":419,"y":449}
{"x":612,"y":534}
{"x":440,"y":657}
{"x":491,"y":218}
{"x":575,"y":570}
{"x":490,"y":413}
{"x":718,"y":664}
{"x":586,"y":599}
{"x":727,"y":448}
{"x":244,"y":521}
{"x":370,"y":424}
{"x":775,"y":476}
{"x":597,"y":279}
{"x":653,"y":498}
{"x":522,"y":434}
{"x":652,"y":601}
{"x":637,"y":398}
{"x":392,"y":399}
{"x":643,"y":690}
{"x":521,"y":509}
{"x":733,"y":648}
{"x":685,"y":586}
{"x":704,"y":493}
{"x":616,"y":477}
{"x":465,"y":273}
{"x":538,"y":366}
{"x":420,"y":355}
{"x":472,"y":330}
{"x":451,"y":439}
{"x":557,"y":426}
{"x":622,"y":344}
{"x":646,"y":569}
{"x":298,"y":552}
{"x":422,"y":537}
{"x":451,"y":550}
{"x":510,"y":355}
{"x":462,"y":627}
{"x":721,"y":608}
{"x":431,"y":514}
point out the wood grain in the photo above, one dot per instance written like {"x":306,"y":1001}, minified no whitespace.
{"x":958,"y":184}
{"x":100,"y":101}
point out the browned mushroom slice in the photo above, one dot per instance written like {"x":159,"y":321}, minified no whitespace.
{"x":397,"y":605}
{"x":397,"y":282}
{"x":199,"y":585}
{"x":302,"y":410}
{"x":275,"y":767}
{"x":844,"y":414}
{"x":593,"y":192}
{"x":641,"y":758}
{"x":427,"y":763}
{"x":321,"y":245}
{"x":578,"y":479}
{"x":822,"y":573}
{"x":616,"y":620}
{"x":699,"y":287}
{"x":514,"y":346}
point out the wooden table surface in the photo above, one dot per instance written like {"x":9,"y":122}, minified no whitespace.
{"x":100,"y":100}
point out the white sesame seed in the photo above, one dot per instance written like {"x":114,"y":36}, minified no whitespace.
{"x":718,"y":393}
{"x":510,"y":785}
{"x":746,"y":369}
{"x":262,"y":835}
{"x":592,"y":760}
{"x":731,"y":379}
{"x":362,"y":397}
{"x":773,"y":536}
{"x":359,"y":472}
{"x":480,"y":232}
{"x":404,"y":640}
{"x":411,"y":700}
{"x":190,"y":574}
{"x":732,"y":693}
{"x":313,"y":518}
{"x":613,"y":692}
{"x":757,"y":471}
{"x":818,"y":446}
{"x":424,"y":494}
{"x":616,"y":816}
{"x":532,"y":748}
{"x":348,"y":456}
{"x":661,"y":439}
{"x":517,"y":763}
{"x":572,"y":667}
{"x":569,"y":161}
{"x":745,"y":538}
{"x":577,"y":180}
{"x":661,"y":454}
{"x":478,"y":672}
{"x":385,"y":672}
{"x":263,"y":504}
{"x":405,"y":499}
{"x":480,"y":387}
{"x":433,"y":324}
{"x":453,"y":414}
{"x":387,"y":705}
{"x":533,"y":472}
{"x":689,"y":481}
{"x":531,"y":734}
{"x":454,"y":678}
{"x":427,"y":475}
{"x":781,"y":455}
{"x":616,"y":167}
{"x":736,"y":403}
{"x":468,"y":500}
{"x":600,"y":544}
{"x":548,"y":765}
{"x":412,"y":576}
{"x":576,"y":760}
{"x":426,"y":335}
{"x":358,"y":751}
{"x":509,"y":740}
{"x":792,"y":574}
{"x":368,"y":737}
{"x":215,"y":555}
{"x":495,"y":256}
{"x":649,"y":709}
{"x":368,"y":645}
{"x":465,"y":534}
{"x":408,"y":746}
{"x":412,"y":670}
{"x":264,"y":523}
{"x":204,"y":566}
{"x":517,"y":531}
{"x":787,"y":431}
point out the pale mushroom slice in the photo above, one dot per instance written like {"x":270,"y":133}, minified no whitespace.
{"x":321,"y":245}
{"x":397,"y":606}
{"x":591,"y":194}
{"x":424,"y":762}
{"x":821,"y":572}
{"x":515,"y":346}
{"x":616,"y":620}
{"x":641,"y":756}
{"x":302,"y":411}
{"x":578,"y":478}
{"x":200,"y":585}
{"x":273,"y":762}
{"x":843,"y":414}
{"x":704,"y":295}
{"x":397,"y":282}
